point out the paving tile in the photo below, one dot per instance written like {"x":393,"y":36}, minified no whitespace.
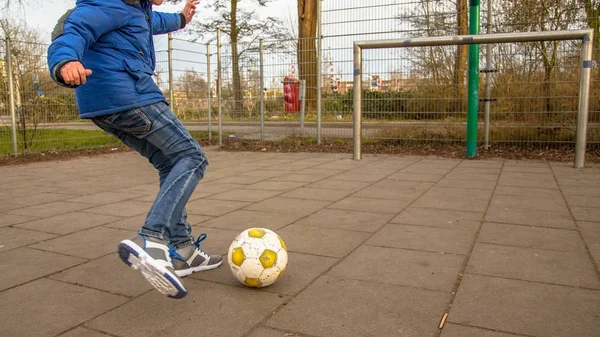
{"x":68,"y":223}
{"x":423,"y":177}
{"x":131,"y":223}
{"x":242,"y":219}
{"x":317,"y":194}
{"x":213,"y":207}
{"x":265,"y":173}
{"x":528,"y":192}
{"x":24,"y":264}
{"x":453,"y":330}
{"x":352,"y":308}
{"x":124,"y":209}
{"x":533,"y":265}
{"x":474,"y":176}
{"x":245,"y":195}
{"x":109,"y":274}
{"x":520,"y":180}
{"x":297,"y":177}
{"x":270,"y":332}
{"x":388,"y":193}
{"x":458,"y":193}
{"x":83,"y":332}
{"x":346,"y":220}
{"x":532,"y":237}
{"x":371,"y":205}
{"x":403,"y":185}
{"x":289,"y":206}
{"x":49,"y":209}
{"x":527,"y":308}
{"x":578,"y":182}
{"x":418,"y":269}
{"x":301,"y":270}
{"x":543,"y":204}
{"x":39,"y":198}
{"x":11,"y":238}
{"x":14,"y":219}
{"x":216,"y":187}
{"x":467,"y":183}
{"x":243,"y":306}
{"x":581,"y":191}
{"x":591,"y":234}
{"x":583,"y":201}
{"x":104,"y":198}
{"x":439,"y":218}
{"x":433,"y":239}
{"x":456,"y":204}
{"x":586,"y":213}
{"x":89,"y":244}
{"x":332,"y":184}
{"x":38,"y":308}
{"x":271,"y":185}
{"x":362,"y":176}
{"x":321,"y":241}
{"x":242,"y":180}
{"x":522,"y":216}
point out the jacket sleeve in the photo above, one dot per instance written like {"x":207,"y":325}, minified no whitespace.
{"x":79,"y":28}
{"x":163,"y":23}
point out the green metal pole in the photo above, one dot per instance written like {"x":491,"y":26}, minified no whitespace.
{"x":473,"y":103}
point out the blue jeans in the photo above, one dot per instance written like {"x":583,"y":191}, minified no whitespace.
{"x":156,"y":133}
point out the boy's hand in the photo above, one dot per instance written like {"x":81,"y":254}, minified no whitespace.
{"x":73,"y":73}
{"x":189,"y":10}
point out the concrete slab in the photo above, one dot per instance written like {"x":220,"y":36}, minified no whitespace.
{"x":242,"y":219}
{"x":433,"y":239}
{"x":388,"y":193}
{"x":372,"y":205}
{"x":11,"y":238}
{"x":108,"y":274}
{"x":538,"y":265}
{"x":14,"y":219}
{"x":583,"y":201}
{"x":317,"y":194}
{"x":131,"y":223}
{"x":270,"y":332}
{"x":346,"y":220}
{"x":242,"y":306}
{"x":210,"y":207}
{"x":467,"y":183}
{"x":39,"y":198}
{"x":270,"y":185}
{"x":123,"y":209}
{"x":454,"y":330}
{"x":439,"y":218}
{"x":524,"y":216}
{"x":422,"y":177}
{"x":104,"y":198}
{"x":538,"y":203}
{"x":532,"y":237}
{"x":352,"y":307}
{"x":69,"y":222}
{"x":24,"y":264}
{"x":417,"y":269}
{"x":89,"y":244}
{"x":528,"y":192}
{"x":49,"y":209}
{"x":289,"y":206}
{"x":455,"y":204}
{"x":39,"y":308}
{"x":83,"y":332}
{"x":302,"y":269}
{"x":528,"y":308}
{"x":244,"y":195}
{"x":333,"y":184}
{"x":321,"y":241}
{"x":591,"y":234}
{"x":591,"y":214}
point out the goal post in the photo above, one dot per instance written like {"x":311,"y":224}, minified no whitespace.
{"x":586,"y":64}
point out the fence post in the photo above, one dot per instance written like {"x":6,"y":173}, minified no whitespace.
{"x":302,"y":105}
{"x":319,"y":70}
{"x":208,"y":80}
{"x":488,"y":84}
{"x":473,"y":103}
{"x":357,"y":101}
{"x":170,"y":61}
{"x":262,"y":92}
{"x":219,"y":86}
{"x":11,"y":93}
{"x":584,"y":99}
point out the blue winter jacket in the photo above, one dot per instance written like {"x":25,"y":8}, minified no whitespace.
{"x":113,"y":38}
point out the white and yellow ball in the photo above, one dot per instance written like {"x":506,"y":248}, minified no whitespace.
{"x":257,"y":257}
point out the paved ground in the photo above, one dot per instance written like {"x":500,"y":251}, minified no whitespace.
{"x":381,"y":247}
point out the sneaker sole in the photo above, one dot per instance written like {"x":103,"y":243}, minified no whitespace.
{"x":159,"y":277}
{"x":189,"y":271}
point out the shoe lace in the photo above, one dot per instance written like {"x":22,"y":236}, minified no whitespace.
{"x":201,"y":238}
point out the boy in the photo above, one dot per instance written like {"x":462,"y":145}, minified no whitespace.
{"x":104,"y":49}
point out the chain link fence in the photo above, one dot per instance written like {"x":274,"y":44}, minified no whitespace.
{"x":415,"y":95}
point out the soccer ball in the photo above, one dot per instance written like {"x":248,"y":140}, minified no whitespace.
{"x":257,"y":257}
